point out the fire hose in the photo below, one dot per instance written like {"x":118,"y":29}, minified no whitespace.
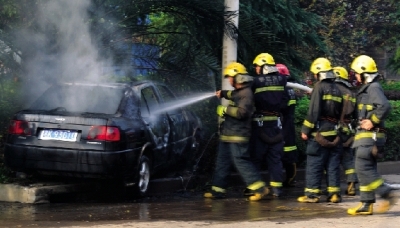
{"x":299,"y":86}
{"x":393,"y":186}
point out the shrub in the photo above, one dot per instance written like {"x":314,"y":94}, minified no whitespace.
{"x":392,"y":144}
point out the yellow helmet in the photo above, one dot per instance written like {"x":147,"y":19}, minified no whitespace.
{"x":364,"y":64}
{"x":341,"y":72}
{"x":320,"y":65}
{"x":264,"y":58}
{"x":233,"y":69}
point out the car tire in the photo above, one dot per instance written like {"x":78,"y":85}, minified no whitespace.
{"x":143,"y":176}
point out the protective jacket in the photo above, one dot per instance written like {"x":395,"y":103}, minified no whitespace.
{"x":237,"y":124}
{"x":270,"y":97}
{"x":347,"y":128}
{"x":372,"y":104}
{"x":269,"y":93}
{"x":324,"y":113}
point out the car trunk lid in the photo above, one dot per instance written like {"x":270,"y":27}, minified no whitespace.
{"x":60,"y":131}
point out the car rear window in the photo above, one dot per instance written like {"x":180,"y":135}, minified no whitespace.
{"x":79,"y":98}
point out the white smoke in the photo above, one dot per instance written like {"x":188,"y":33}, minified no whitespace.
{"x":60,"y":47}
{"x":77,"y":54}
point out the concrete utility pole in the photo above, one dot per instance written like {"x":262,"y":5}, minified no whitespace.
{"x":229,"y":49}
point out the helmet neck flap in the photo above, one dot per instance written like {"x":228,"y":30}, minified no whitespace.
{"x":326,"y":75}
{"x":266,"y":69}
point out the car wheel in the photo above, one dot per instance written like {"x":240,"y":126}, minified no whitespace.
{"x":143,"y":176}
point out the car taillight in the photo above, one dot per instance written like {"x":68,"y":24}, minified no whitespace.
{"x":104,"y":133}
{"x":19,"y":127}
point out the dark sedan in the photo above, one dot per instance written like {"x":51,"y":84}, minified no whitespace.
{"x":120,"y":130}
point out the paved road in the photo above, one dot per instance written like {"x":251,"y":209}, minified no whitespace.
{"x":191,"y":210}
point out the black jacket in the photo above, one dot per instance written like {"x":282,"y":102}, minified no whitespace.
{"x":372,"y":104}
{"x":270,"y":93}
{"x":237,"y":124}
{"x":324,"y":109}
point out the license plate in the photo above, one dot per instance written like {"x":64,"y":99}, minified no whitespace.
{"x":55,"y":134}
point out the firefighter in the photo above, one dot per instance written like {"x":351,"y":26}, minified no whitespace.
{"x":290,"y":155}
{"x":347,"y":127}
{"x":372,"y":109}
{"x":235,"y":132}
{"x":266,"y":140}
{"x":319,"y":129}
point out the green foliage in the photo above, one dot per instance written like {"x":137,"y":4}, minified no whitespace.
{"x":301,"y":110}
{"x":390,"y":85}
{"x":281,"y":28}
{"x":9,"y":100}
{"x":392,"y":125}
{"x":353,"y":27}
{"x":394,"y":63}
{"x":392,"y":146}
{"x":394,"y":115}
{"x":5,"y":173}
{"x":8,"y":9}
{"x":300,"y":113}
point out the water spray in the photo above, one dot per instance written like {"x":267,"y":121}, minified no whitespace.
{"x":184,"y":102}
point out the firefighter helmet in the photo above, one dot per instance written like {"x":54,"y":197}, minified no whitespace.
{"x":238,"y":72}
{"x":320,"y":65}
{"x":283,"y":70}
{"x":366,"y":67}
{"x":341,"y":73}
{"x":364,"y":64}
{"x":322,"y":68}
{"x":233,"y":69}
{"x":264,"y":58}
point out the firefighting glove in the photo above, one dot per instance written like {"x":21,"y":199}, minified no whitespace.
{"x":221,"y":110}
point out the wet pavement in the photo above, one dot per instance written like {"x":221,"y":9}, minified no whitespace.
{"x":88,"y":210}
{"x":111,"y":208}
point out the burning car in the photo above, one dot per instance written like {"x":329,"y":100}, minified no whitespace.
{"x":120,"y":131}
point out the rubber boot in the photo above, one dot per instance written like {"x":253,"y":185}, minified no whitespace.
{"x":308,"y":199}
{"x":290,"y":175}
{"x":335,"y":198}
{"x":361,"y":209}
{"x":259,"y":195}
{"x":213,"y":194}
{"x":351,"y":189}
{"x":389,"y":200}
{"x":248,"y":192}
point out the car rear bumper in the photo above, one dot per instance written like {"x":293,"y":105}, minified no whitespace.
{"x":70,"y":162}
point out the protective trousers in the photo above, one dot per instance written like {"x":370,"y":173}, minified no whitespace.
{"x":370,"y":180}
{"x":289,"y":136}
{"x":238,"y":155}
{"x":347,"y":161}
{"x":320,"y":159}
{"x":260,"y":152}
